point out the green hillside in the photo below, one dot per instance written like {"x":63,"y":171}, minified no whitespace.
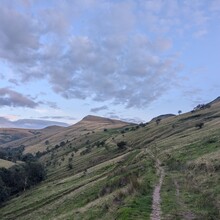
{"x":112,"y":170}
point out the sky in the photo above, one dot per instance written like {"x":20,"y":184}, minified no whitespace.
{"x":61,"y":60}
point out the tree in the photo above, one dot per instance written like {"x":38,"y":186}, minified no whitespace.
{"x":179,"y":112}
{"x":4,"y":191}
{"x":142,"y":124}
{"x":70,"y":166}
{"x":29,"y":157}
{"x":35,"y":172}
{"x":199,"y":125}
{"x":158,"y":121}
{"x":121,"y":145}
{"x":62,"y":143}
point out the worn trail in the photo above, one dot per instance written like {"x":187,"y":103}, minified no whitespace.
{"x":156,"y":210}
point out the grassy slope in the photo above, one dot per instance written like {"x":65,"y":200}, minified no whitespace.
{"x":6,"y":163}
{"x":11,"y":134}
{"x":107,"y":183}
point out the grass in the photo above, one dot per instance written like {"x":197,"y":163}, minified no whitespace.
{"x":139,"y":205}
{"x":6,"y":163}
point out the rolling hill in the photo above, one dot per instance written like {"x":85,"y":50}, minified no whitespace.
{"x":55,"y":134}
{"x":107,"y":169}
{"x":11,"y":134}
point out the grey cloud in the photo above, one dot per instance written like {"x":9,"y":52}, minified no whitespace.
{"x":37,"y":124}
{"x":109,"y":58}
{"x":135,"y":120}
{"x":51,"y":104}
{"x":11,"y":98}
{"x":113,"y":116}
{"x":48,"y":103}
{"x":89,"y":71}
{"x":5,"y":123}
{"x":14,"y":81}
{"x":2,"y":76}
{"x":58,"y":117}
{"x":97,"y":109}
{"x":29,"y":123}
{"x":18,"y":36}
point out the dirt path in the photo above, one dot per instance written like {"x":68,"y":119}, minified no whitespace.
{"x":156,"y":211}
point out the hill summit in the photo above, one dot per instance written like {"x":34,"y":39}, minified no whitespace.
{"x":98,"y":119}
{"x":92,"y":122}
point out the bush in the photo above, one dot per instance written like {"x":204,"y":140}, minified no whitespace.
{"x":62,"y":143}
{"x":86,"y":151}
{"x":70,"y":166}
{"x":121,"y":145}
{"x":199,"y":125}
{"x":19,"y":178}
{"x":158,"y":121}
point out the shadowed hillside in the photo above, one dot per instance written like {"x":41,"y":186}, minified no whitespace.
{"x":11,"y":134}
{"x":107,"y":169}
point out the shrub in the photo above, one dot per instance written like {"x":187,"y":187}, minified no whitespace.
{"x":70,"y":166}
{"x":86,"y":151}
{"x":121,"y":145}
{"x":62,"y":143}
{"x":158,"y":121}
{"x":199,"y":125}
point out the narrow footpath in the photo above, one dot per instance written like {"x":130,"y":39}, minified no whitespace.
{"x":156,"y":210}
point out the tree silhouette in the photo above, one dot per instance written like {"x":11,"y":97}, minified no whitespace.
{"x":199,"y":125}
{"x":158,"y":121}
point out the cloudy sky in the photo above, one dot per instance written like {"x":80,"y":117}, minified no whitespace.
{"x":130,"y":59}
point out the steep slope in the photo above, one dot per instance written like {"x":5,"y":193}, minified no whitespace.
{"x":93,"y":176}
{"x":217,"y":100}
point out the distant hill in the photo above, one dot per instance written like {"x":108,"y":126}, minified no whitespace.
{"x":20,"y":135}
{"x":55,"y":134}
{"x":12,"y":134}
{"x":29,"y":123}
